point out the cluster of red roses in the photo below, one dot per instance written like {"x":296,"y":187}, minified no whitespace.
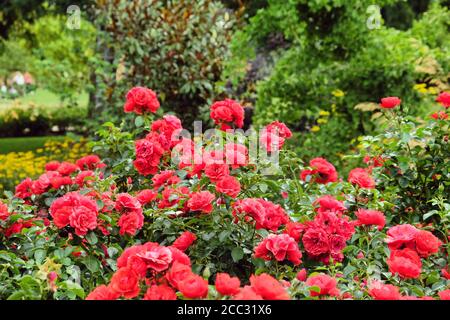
{"x":164,"y":271}
{"x":408,"y":244}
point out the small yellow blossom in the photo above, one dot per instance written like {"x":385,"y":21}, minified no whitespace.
{"x":315,"y":128}
{"x":338,"y":93}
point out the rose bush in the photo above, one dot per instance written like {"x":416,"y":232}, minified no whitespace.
{"x":158,"y":215}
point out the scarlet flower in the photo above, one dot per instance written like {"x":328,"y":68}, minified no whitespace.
{"x":52,"y":166}
{"x":177,"y":272}
{"x":406,"y":263}
{"x":201,"y":201}
{"x":390,"y":102}
{"x":216,"y":172}
{"x":236,"y":155}
{"x":148,"y":155}
{"x":179,"y":256}
{"x":125,"y":282}
{"x":184,"y":241}
{"x":130,"y":223}
{"x":361,"y":178}
{"x":227,"y":112}
{"x":146,"y":196}
{"x":441,"y":115}
{"x":166,"y":177}
{"x":444,"y":294}
{"x":193,"y":287}
{"x":83,"y":220}
{"x":226,"y":285}
{"x":446,"y":273}
{"x":444,"y":99}
{"x":23,"y":189}
{"x":302,"y":275}
{"x":326,"y":284}
{"x":168,"y":128}
{"x":90,"y":162}
{"x":426,"y":243}
{"x":294,"y":230}
{"x":157,"y":258}
{"x":247,"y":293}
{"x":67,"y":168}
{"x":229,"y":185}
{"x":126,"y":203}
{"x":141,"y":100}
{"x":84,"y":178}
{"x":103,"y":292}
{"x":280,"y":247}
{"x":321,"y":171}
{"x":401,"y":235}
{"x":268,"y":287}
{"x":4,"y":214}
{"x":370,"y":217}
{"x":160,"y":292}
{"x":328,"y":203}
{"x":381,"y":291}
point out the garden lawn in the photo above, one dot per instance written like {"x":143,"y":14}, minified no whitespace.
{"x":23,"y":144}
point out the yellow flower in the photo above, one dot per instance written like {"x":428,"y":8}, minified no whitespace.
{"x":338,"y":93}
{"x":315,"y":128}
{"x":324,"y":113}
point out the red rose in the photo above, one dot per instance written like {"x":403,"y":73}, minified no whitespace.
{"x":302,"y":275}
{"x":4,"y":214}
{"x":229,"y":185}
{"x":444,"y":294}
{"x":280,"y":247}
{"x":168,"y":129}
{"x":103,"y":293}
{"x":268,"y":287}
{"x":67,"y":168}
{"x":321,"y":171}
{"x":426,"y":243}
{"x":273,"y":216}
{"x":444,"y":99}
{"x":328,"y":203}
{"x":89,"y":162}
{"x":441,"y":115}
{"x":177,"y":273}
{"x":215,"y":172}
{"x":157,"y":258}
{"x":193,"y":287}
{"x":52,"y":166}
{"x":166,"y":177}
{"x":226,"y":285}
{"x":315,"y":242}
{"x":179,"y":256}
{"x":380,"y":291}
{"x":58,"y":182}
{"x":148,"y":155}
{"x":130,"y":223}
{"x":227,"y":112}
{"x":126,"y":203}
{"x":146,"y":196}
{"x":326,"y":284}
{"x":184,"y":241}
{"x":125,"y":282}
{"x":141,"y":100}
{"x":361,"y":178}
{"x":160,"y":292}
{"x":247,"y":293}
{"x":23,"y":189}
{"x":295,"y":230}
{"x":85,"y":178}
{"x":406,"y":263}
{"x":390,"y":102}
{"x":371,"y":217}
{"x":201,"y":201}
{"x":236,"y":155}
{"x":83,"y":220}
{"x":401,"y":235}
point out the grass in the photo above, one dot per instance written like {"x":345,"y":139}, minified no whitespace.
{"x":43,"y":97}
{"x":23,"y":144}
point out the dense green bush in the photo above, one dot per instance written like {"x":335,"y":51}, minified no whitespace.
{"x":330,"y":56}
{"x":176,"y":48}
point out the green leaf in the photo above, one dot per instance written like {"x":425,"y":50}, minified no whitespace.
{"x":39,"y":255}
{"x":139,"y":121}
{"x":92,"y":264}
{"x":237,"y":254}
{"x":91,"y":238}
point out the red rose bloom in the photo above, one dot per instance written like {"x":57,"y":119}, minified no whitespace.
{"x":126,"y":203}
{"x":4,"y":214}
{"x":90,"y":162}
{"x":184,"y":241}
{"x":426,"y":243}
{"x":380,"y":291}
{"x":130,"y":223}
{"x":193,"y":287}
{"x":157,"y":258}
{"x":361,"y":178}
{"x":125,"y":282}
{"x":390,"y":102}
{"x":441,"y":115}
{"x":160,"y":292}
{"x":247,"y":293}
{"x":148,"y":155}
{"x":227,"y":112}
{"x":75,"y":209}
{"x":103,"y":293}
{"x":216,"y":172}
{"x":166,"y":177}
{"x":321,"y":171}
{"x":229,"y":185}
{"x":295,"y":230}
{"x":226,"y":285}
{"x":146,"y":196}
{"x":401,"y":235}
{"x":444,"y":99}
{"x":370,"y":218}
{"x":268,"y":287}
{"x":52,"y":166}
{"x":328,"y":203}
{"x":177,"y":272}
{"x":280,"y":247}
{"x":406,"y":263}
{"x":67,"y":168}
{"x":201,"y":201}
{"x":23,"y":189}
{"x":302,"y":275}
{"x":326,"y":284}
{"x":141,"y":100}
{"x":444,"y":295}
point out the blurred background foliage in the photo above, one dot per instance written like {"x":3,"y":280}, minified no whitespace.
{"x":308,"y":63}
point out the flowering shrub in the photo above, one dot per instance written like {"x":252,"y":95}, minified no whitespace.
{"x":158,"y":215}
